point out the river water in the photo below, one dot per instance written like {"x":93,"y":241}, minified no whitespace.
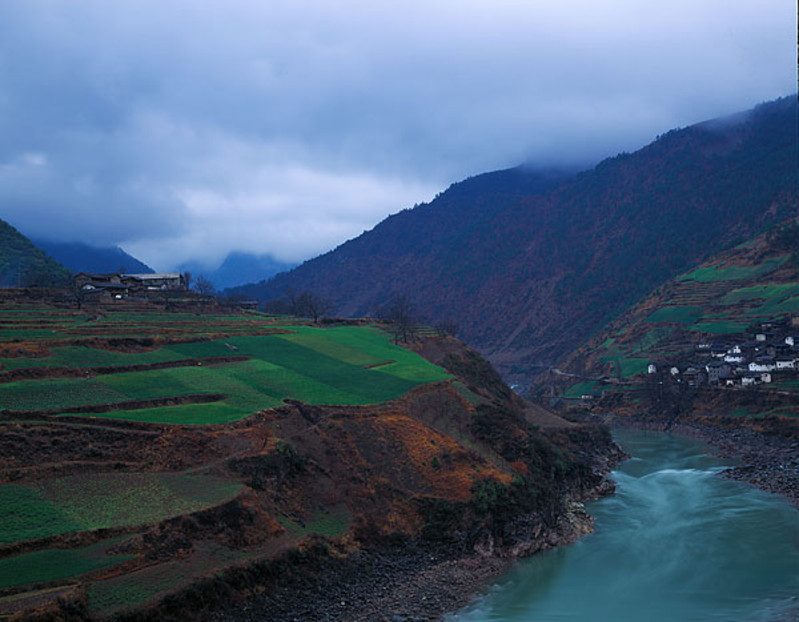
{"x":676,"y":543}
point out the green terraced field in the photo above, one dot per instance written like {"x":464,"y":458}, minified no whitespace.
{"x":57,"y":393}
{"x":82,"y":502}
{"x":734,"y":273}
{"x":680,"y":315}
{"x":626,"y":366}
{"x":55,"y":564}
{"x":117,"y":594}
{"x":82,"y":356}
{"x":768,"y":291}
{"x":25,"y":515}
{"x":720,"y":327}
{"x":348,"y":365}
{"x":583,"y":388}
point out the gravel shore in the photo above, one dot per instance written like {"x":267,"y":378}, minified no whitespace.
{"x":766,"y":462}
{"x":395,"y":584}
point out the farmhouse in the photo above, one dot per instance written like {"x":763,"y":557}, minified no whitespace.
{"x":717,"y":371}
{"x":157,"y":281}
{"x":694,"y":377}
{"x":126,"y":283}
{"x":83,"y":279}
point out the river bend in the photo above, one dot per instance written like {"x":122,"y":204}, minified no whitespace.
{"x":676,"y":543}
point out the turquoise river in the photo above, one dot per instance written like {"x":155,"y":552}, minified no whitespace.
{"x":676,"y":543}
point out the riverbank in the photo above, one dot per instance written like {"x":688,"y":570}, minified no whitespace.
{"x":408,"y":581}
{"x":400,"y":583}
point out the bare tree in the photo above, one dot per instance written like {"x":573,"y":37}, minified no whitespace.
{"x":80,"y":294}
{"x":402,"y":315}
{"x":312,"y":306}
{"x":447,"y":329}
{"x":203,"y":285}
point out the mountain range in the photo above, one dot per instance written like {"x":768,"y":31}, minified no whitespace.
{"x":238,"y":268}
{"x":529,"y":264}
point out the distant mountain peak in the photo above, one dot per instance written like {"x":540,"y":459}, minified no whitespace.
{"x":238,"y":268}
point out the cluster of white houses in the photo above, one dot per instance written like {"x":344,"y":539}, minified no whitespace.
{"x":738,"y":365}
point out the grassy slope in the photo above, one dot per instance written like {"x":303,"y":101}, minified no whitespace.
{"x":102,"y":500}
{"x":55,"y":564}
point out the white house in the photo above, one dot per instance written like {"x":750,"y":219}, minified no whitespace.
{"x":763,"y":363}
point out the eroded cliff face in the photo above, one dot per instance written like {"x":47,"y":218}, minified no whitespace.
{"x":456,"y":467}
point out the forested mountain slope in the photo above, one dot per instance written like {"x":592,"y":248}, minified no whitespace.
{"x":23,"y":264}
{"x":529,"y":266}
{"x":80,"y":257}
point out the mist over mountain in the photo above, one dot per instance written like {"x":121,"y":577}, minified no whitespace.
{"x":238,"y":268}
{"x":80,"y":257}
{"x":530,"y":265}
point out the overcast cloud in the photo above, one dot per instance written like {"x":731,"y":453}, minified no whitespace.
{"x":186,"y":129}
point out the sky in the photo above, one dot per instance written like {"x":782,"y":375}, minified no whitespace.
{"x":186,"y":129}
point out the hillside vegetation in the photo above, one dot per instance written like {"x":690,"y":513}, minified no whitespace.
{"x":22,"y":264}
{"x":80,"y":257}
{"x":531,"y":265}
{"x":726,"y":301}
{"x":157,"y":464}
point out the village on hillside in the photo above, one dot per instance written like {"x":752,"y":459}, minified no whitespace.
{"x":769,"y":350}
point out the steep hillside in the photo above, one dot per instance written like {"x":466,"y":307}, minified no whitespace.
{"x":80,"y":257}
{"x":158,"y":464}
{"x":22,"y":264}
{"x":725,"y":300}
{"x":715,"y":348}
{"x":530,"y":266}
